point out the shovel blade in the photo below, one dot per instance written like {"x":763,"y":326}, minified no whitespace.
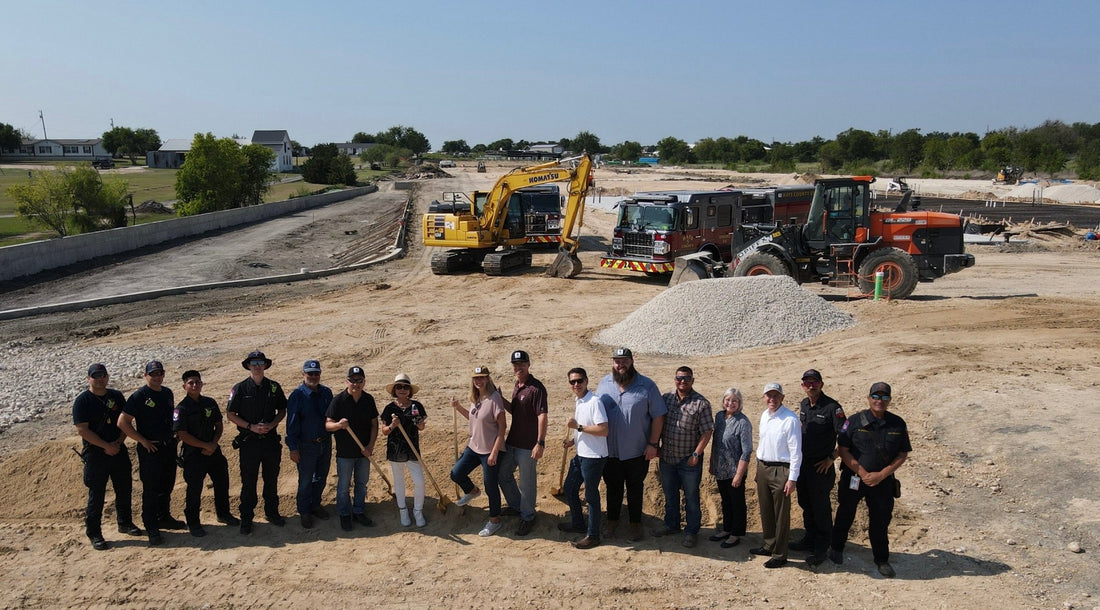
{"x":565,"y":265}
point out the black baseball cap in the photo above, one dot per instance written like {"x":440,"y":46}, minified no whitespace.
{"x":311,"y":366}
{"x":520,"y":356}
{"x":879,"y":387}
{"x":812,"y":374}
{"x":153,"y":366}
{"x":622,"y":352}
{"x":96,"y":369}
{"x":356,"y":371}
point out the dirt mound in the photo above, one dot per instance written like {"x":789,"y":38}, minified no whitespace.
{"x":153,"y":207}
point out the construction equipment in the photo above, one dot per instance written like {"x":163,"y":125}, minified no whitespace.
{"x":488,"y":236}
{"x":845,"y":242}
{"x":481,"y":167}
{"x":1009,"y":174}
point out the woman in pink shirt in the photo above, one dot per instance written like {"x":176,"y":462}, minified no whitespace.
{"x":487,"y":428}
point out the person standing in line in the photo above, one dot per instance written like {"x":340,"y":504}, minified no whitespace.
{"x":487,"y":431}
{"x":95,"y":415}
{"x":525,"y":444}
{"x":822,"y":418}
{"x":873,"y":444}
{"x":686,"y":433}
{"x":636,"y":418}
{"x":256,"y":406}
{"x":778,"y":462}
{"x":411,"y":416}
{"x":308,"y":441}
{"x":729,"y":463}
{"x":151,"y":408}
{"x":590,"y":422}
{"x":197,"y":421}
{"x":353,"y":411}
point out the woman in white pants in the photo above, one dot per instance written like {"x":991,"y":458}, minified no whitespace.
{"x":410,"y":413}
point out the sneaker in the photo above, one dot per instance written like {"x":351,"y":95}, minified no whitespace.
{"x":569,"y":528}
{"x":689,"y":541}
{"x":587,"y":542}
{"x":634,"y":533}
{"x":663,"y":530}
{"x":525,"y":527}
{"x":419,"y":516}
{"x":129,"y":529}
{"x":801,"y":545}
{"x":246,"y":527}
{"x":156,"y":539}
{"x":228,"y":520}
{"x":98,"y":543}
{"x":198,"y":532}
{"x":405,"y":520}
{"x":490,"y":529}
{"x":775,"y":562}
{"x":464,"y":500}
{"x":307,"y":521}
{"x":345,"y":522}
{"x":508,"y":511}
{"x":836,"y":556}
{"x":171,"y":523}
{"x":276,"y":520}
{"x":362,"y":519}
{"x":886,"y":569}
{"x":320,"y":513}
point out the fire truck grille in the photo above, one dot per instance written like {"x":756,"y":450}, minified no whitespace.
{"x":536,"y":223}
{"x":638,"y":244}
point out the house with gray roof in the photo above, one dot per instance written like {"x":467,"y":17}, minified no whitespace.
{"x":172,"y":153}
{"x":56,"y":149}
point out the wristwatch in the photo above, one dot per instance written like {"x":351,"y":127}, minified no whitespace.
{"x":696,"y":455}
{"x":580,"y":428}
{"x":654,"y":445}
{"x":541,"y":443}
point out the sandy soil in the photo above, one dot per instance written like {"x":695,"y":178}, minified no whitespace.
{"x":990,"y":368}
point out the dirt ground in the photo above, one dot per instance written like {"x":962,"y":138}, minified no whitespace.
{"x":990,"y":367}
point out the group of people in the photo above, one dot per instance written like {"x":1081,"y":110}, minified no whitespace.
{"x":617,"y":430}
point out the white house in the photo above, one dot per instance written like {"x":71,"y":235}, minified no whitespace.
{"x":58,"y":150}
{"x":172,"y":153}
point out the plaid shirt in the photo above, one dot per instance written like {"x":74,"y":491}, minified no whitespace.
{"x":685,"y":423}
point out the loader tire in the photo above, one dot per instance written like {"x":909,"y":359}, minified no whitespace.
{"x":900,"y":273}
{"x":760,"y":263}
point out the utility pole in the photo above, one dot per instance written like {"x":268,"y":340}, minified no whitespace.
{"x":41,"y":118}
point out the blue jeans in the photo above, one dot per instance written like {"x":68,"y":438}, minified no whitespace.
{"x":674,"y":478}
{"x":523,"y":495}
{"x":587,"y":471}
{"x":466,"y":464}
{"x":345,"y":468}
{"x":314,"y":460}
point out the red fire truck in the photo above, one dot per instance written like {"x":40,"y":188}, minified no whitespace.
{"x":779,"y":205}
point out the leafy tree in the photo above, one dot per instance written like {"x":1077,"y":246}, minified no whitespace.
{"x":957,"y":151}
{"x":219,"y":174}
{"x":479,"y":148}
{"x":295,"y":148}
{"x":831,"y":156}
{"x":1051,"y":159}
{"x":1088,"y":161}
{"x":405,"y":137}
{"x":10,"y":137}
{"x":627,"y":151}
{"x":997,"y":148}
{"x":908,"y":149}
{"x":935,"y":153}
{"x":71,"y":200}
{"x":857,"y":145}
{"x":387,"y":155}
{"x":452,"y":147}
{"x":503,"y":144}
{"x":130,"y":142}
{"x":674,"y":151}
{"x":363,"y":138}
{"x":781,"y":157}
{"x":586,"y":142}
{"x":325,"y":166}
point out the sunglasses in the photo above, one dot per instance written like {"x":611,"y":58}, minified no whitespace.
{"x":256,"y":363}
{"x":401,"y":386}
{"x":356,"y":381}
{"x":809,"y":383}
{"x":880,"y":396}
{"x":98,"y":375}
{"x":313,"y":374}
{"x":576,"y":381}
{"x":681,"y":378}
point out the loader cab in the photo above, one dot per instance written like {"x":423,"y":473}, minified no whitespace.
{"x":839,"y":207}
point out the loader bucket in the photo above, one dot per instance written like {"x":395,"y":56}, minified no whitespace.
{"x":565,"y":265}
{"x":698,"y":266}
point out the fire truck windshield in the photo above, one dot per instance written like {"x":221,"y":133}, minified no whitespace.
{"x":658,"y":218}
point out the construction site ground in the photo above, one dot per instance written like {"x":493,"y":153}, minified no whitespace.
{"x":993,"y":369}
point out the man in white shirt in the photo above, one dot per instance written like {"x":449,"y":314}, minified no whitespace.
{"x":778,"y":462}
{"x":590,"y":421}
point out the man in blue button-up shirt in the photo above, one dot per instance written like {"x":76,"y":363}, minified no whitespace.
{"x":309,"y":443}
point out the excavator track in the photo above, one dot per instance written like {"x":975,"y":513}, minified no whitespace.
{"x":450,"y":262}
{"x":499,"y":263}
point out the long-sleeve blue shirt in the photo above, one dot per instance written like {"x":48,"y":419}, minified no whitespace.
{"x":305,"y":415}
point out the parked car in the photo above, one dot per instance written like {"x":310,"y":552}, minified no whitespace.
{"x":446,"y":163}
{"x":103,"y":163}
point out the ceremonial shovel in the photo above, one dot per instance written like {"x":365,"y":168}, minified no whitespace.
{"x":443,"y":499}
{"x":385,"y":479}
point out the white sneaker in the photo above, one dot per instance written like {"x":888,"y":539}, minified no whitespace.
{"x":419,"y":514}
{"x":464,"y":500}
{"x":405,"y":517}
{"x":490,"y":529}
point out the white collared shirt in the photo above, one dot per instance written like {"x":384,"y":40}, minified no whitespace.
{"x":781,"y":439}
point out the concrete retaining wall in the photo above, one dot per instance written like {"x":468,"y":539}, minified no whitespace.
{"x":26,"y":259}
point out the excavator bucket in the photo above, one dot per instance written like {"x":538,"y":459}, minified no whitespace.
{"x":565,"y":265}
{"x":698,"y":266}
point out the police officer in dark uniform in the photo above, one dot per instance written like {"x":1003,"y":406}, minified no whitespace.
{"x":151,"y":408}
{"x":873,"y":444}
{"x":822,"y":418}
{"x":95,"y":415}
{"x":197,"y":421}
{"x":256,"y":406}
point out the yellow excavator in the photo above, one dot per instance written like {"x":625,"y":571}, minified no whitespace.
{"x":490,"y":234}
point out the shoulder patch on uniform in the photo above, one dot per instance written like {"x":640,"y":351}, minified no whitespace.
{"x":176,"y":414}
{"x":844,"y":428}
{"x":840,"y":414}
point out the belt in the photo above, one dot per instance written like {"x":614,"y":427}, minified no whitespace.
{"x":319,"y":440}
{"x":774,"y":464}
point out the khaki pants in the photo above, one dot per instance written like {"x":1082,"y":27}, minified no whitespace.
{"x":775,"y":507}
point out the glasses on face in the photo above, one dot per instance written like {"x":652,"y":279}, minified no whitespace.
{"x":880,"y":396}
{"x":809,"y":383}
{"x":683,"y":378}
{"x":313,"y":374}
{"x":356,"y":381}
{"x":98,"y":375}
{"x":576,"y":381}
{"x":256,"y":363}
{"x":156,"y":374}
{"x":401,"y":386}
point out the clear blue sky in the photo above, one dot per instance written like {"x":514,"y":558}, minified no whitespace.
{"x":481,"y":71}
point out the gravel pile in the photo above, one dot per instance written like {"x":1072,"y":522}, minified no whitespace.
{"x":720,"y":316}
{"x":42,"y":380}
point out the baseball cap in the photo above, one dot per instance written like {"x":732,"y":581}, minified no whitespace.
{"x":812,"y":374}
{"x":520,"y":356}
{"x":481,"y":371}
{"x":622,"y":352}
{"x":153,"y":366}
{"x":311,"y":366}
{"x":356,"y":371}
{"x":96,"y":369}
{"x":773,"y":386}
{"x":879,"y":387}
